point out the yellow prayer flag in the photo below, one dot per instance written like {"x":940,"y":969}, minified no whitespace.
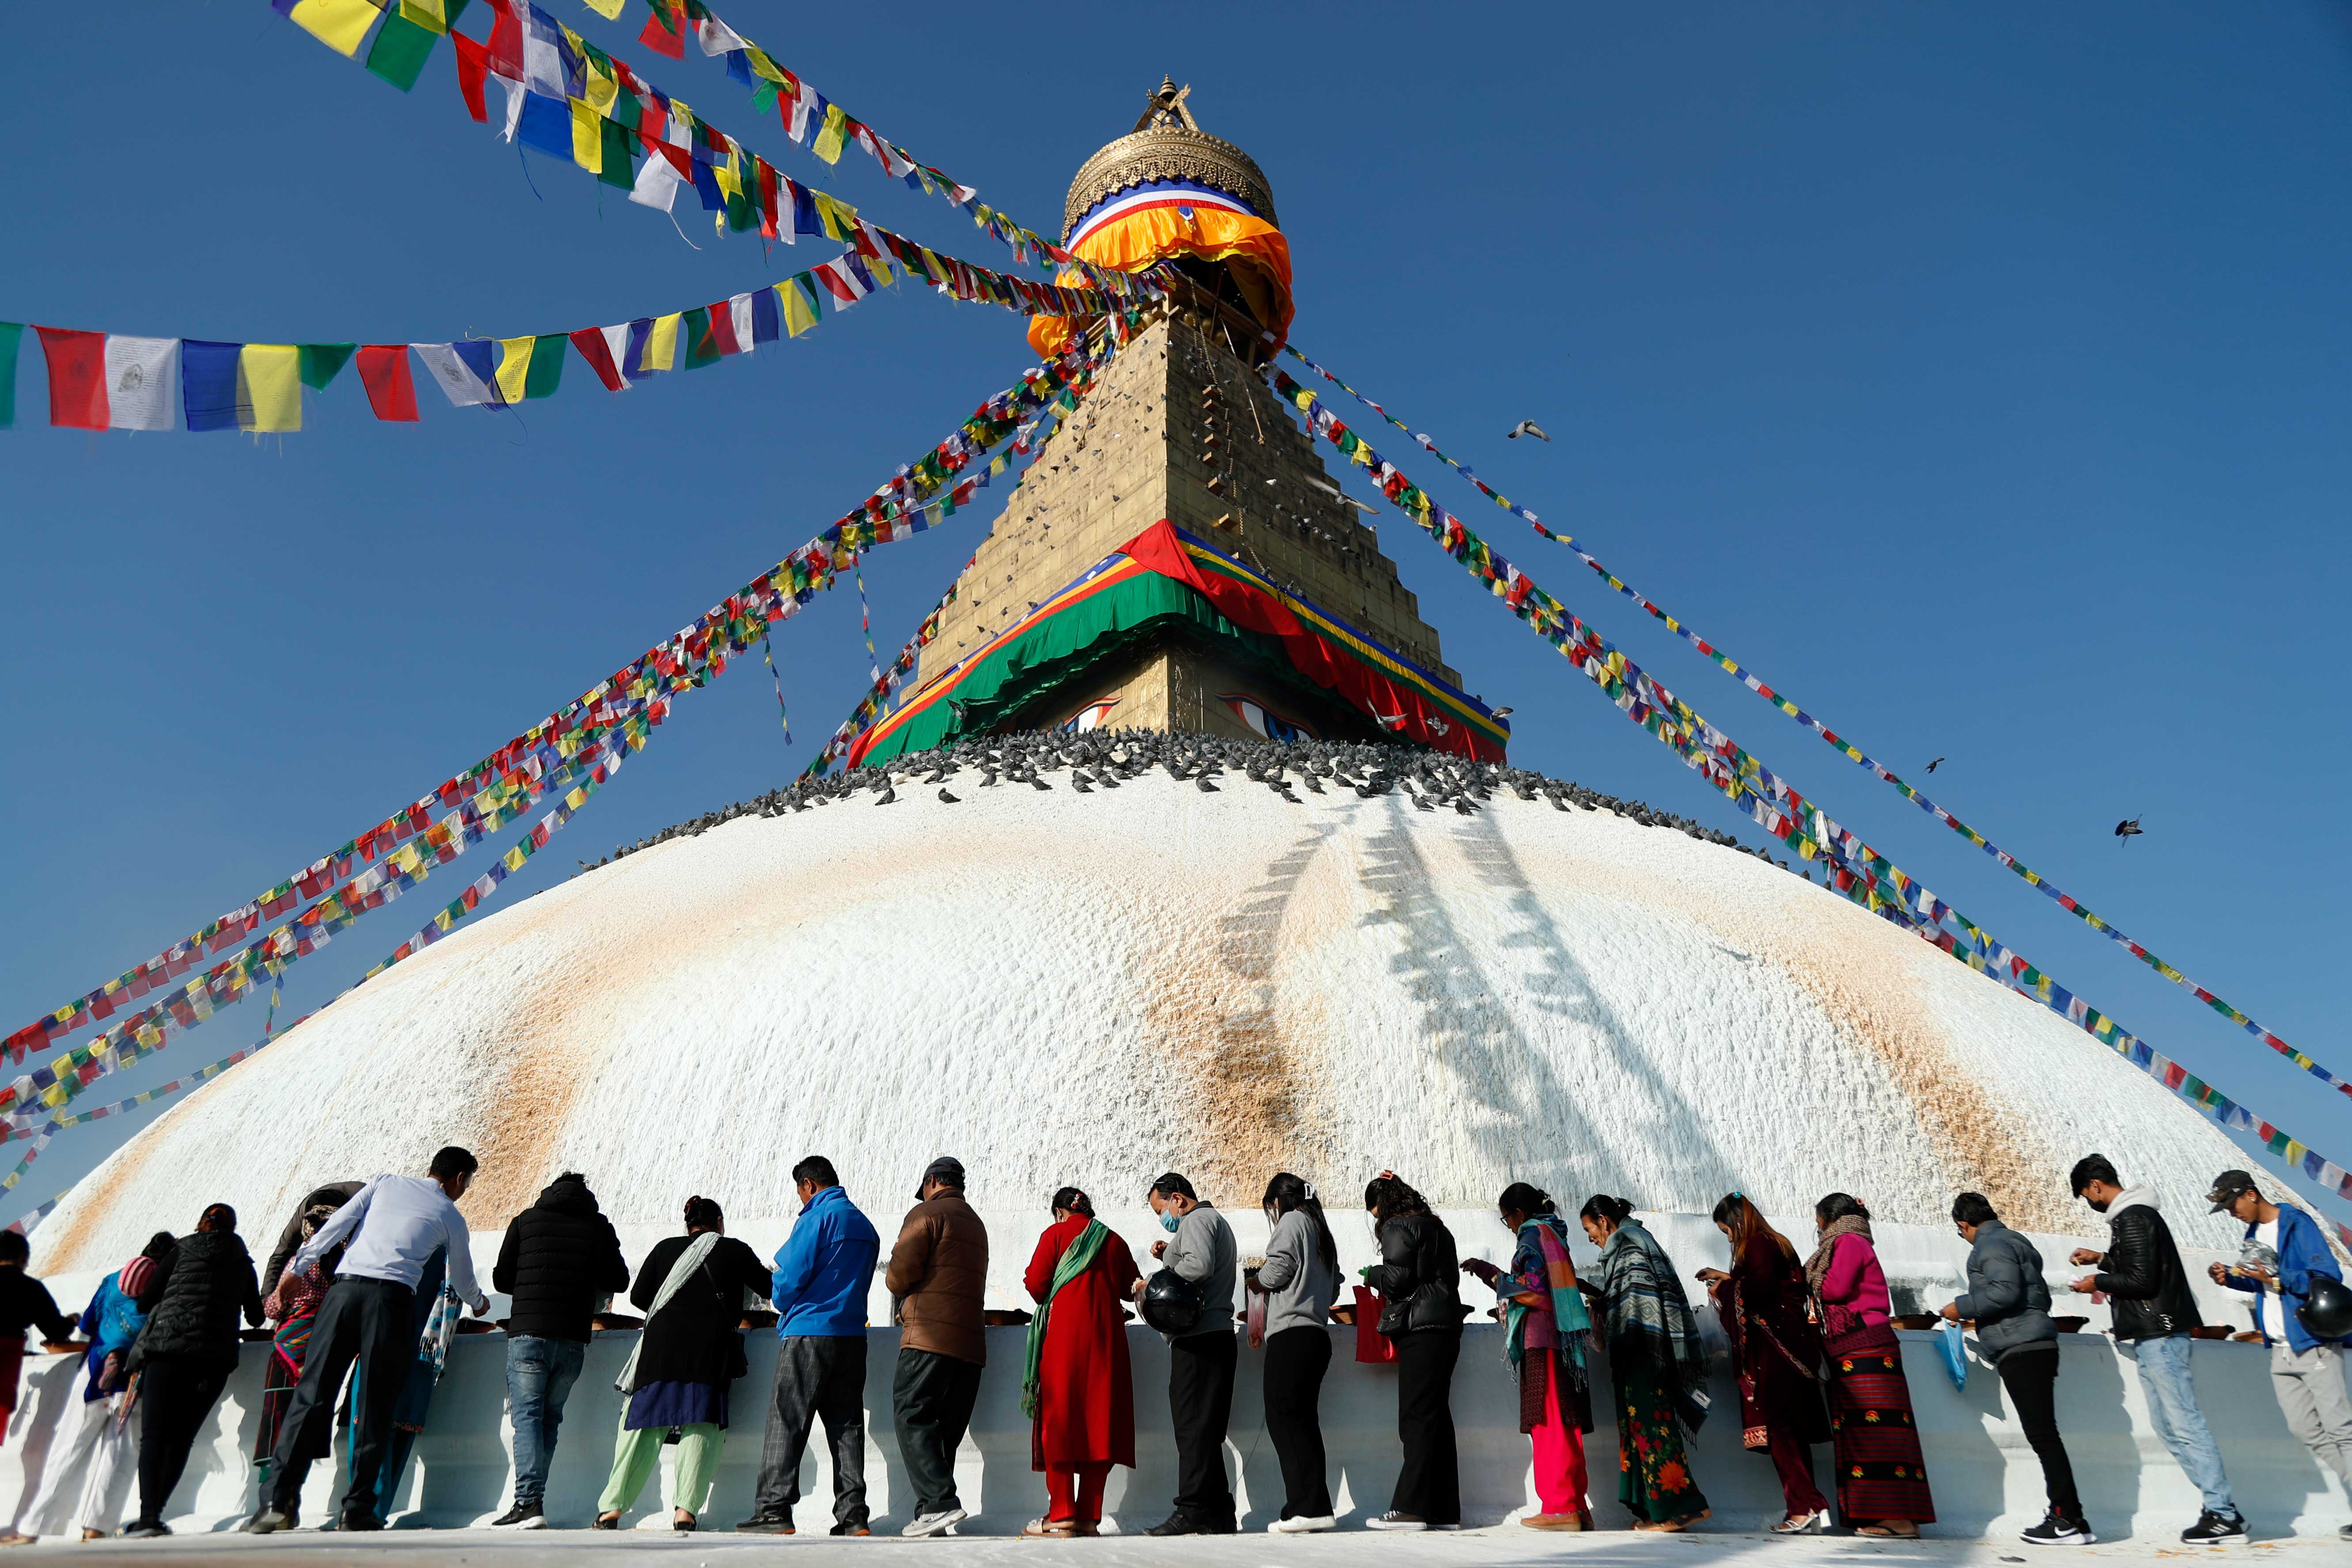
{"x":881,"y":271}
{"x":798,"y":315}
{"x":341,"y":24}
{"x":839,"y":218}
{"x":269,"y":386}
{"x":430,"y":15}
{"x":513,"y":858}
{"x":829,"y":140}
{"x":608,"y":9}
{"x":760,"y":64}
{"x":514,"y":365}
{"x":587,"y":136}
{"x":604,"y":90}
{"x":661,"y":348}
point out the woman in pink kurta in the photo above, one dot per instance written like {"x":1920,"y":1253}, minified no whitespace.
{"x":1882,"y":1478}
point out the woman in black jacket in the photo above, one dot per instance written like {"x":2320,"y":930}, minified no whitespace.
{"x":1417,"y":1274}
{"x":184,"y":1355}
{"x":692,"y":1290}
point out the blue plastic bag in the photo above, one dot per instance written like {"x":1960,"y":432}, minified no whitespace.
{"x":1955,"y":1356}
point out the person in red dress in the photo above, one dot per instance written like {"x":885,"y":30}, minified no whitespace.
{"x":1078,"y":1388}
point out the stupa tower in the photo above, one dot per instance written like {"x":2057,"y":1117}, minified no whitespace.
{"x":1181,"y":427}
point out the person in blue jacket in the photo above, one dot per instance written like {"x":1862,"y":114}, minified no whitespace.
{"x":823,"y":1273}
{"x":88,"y":1478}
{"x":2282,"y":1252}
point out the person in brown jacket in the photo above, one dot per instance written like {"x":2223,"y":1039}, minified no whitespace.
{"x":938,"y":1270}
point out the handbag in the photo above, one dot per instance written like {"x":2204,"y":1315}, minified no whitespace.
{"x":1372,"y":1346}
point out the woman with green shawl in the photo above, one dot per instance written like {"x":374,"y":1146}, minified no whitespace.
{"x":1547,"y":1328}
{"x":1078,"y":1388}
{"x":1656,"y":1362}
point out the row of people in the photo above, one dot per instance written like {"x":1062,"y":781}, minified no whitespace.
{"x":370,"y":1280}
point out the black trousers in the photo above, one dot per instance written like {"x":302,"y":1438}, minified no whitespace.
{"x":1430,"y":1484}
{"x":1296,"y":1360}
{"x":373,"y":1321}
{"x":816,"y":1378}
{"x":932,"y":1397}
{"x":1200,"y":1405}
{"x":175,"y":1394}
{"x":2031,"y":1379}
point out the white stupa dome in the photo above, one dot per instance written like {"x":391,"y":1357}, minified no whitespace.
{"x":1089,"y":988}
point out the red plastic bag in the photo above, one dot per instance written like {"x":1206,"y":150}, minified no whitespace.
{"x":1371,"y":1345}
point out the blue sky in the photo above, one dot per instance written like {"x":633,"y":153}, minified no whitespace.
{"x":1974,"y":373}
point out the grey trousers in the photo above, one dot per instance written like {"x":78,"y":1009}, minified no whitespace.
{"x":816,"y":1378}
{"x":2310,"y":1389}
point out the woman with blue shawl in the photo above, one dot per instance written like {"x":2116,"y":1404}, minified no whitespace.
{"x":1656,"y":1362}
{"x":1547,"y":1329}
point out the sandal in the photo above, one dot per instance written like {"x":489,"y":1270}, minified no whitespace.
{"x":1882,"y":1533}
{"x":1050,"y":1529}
{"x":684,"y":1526}
{"x":608,"y":1522}
{"x":1799,"y":1524}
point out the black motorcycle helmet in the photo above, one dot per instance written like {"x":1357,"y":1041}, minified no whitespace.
{"x":2326,"y":1311}
{"x":1172,"y":1304}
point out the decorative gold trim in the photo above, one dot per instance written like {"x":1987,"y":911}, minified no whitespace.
{"x":1168,"y":144}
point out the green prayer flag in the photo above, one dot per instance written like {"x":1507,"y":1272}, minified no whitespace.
{"x":10,"y":333}
{"x":546,"y":366}
{"x":694,"y":340}
{"x":619,"y":143}
{"x":400,"y":50}
{"x":321,"y":362}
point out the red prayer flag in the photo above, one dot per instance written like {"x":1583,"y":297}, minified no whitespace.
{"x":384,"y":370}
{"x":664,"y":36}
{"x":722,"y":328}
{"x":593,"y":348}
{"x":506,"y":41}
{"x":473,"y":67}
{"x":77,"y":377}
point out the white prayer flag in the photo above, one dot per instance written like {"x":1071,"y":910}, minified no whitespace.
{"x":464,"y":389}
{"x":141,"y":374}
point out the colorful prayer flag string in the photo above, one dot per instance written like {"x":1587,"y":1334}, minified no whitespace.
{"x":23,"y":1224}
{"x":1859,"y":871}
{"x":1854,"y":754}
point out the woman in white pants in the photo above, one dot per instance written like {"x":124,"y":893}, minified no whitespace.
{"x":91,"y":1474}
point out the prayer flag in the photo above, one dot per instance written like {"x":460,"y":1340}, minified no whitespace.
{"x":464,"y":386}
{"x":663,"y":34}
{"x":661,"y":353}
{"x":401,"y":49}
{"x":596,"y":345}
{"x":657,"y":179}
{"x":384,"y":370}
{"x":717,"y":37}
{"x":269,"y":387}
{"x":800,"y":298}
{"x":550,"y":68}
{"x":321,"y":362}
{"x":140,"y":372}
{"x":722,"y":329}
{"x":809,"y":111}
{"x":633,"y":356}
{"x":545,"y":125}
{"x":11,"y":335}
{"x":608,"y":9}
{"x":587,"y":136}
{"x":208,"y":389}
{"x":77,"y":377}
{"x":829,"y":140}
{"x":694,"y":336}
{"x":473,"y":67}
{"x":340,"y":25}
{"x":539,"y":371}
{"x":514,"y":367}
{"x":767,"y":321}
{"x":616,"y":166}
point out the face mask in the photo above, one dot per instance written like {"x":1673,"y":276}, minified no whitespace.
{"x":1168,"y":1220}
{"x":2098,"y":1205}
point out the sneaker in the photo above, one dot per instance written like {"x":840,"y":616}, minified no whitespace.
{"x":2215,"y":1529}
{"x":1302,"y":1524}
{"x":1392,"y":1519}
{"x":934,"y":1523}
{"x":145,"y":1530}
{"x":269,"y":1520}
{"x":359,"y":1521}
{"x":522,"y":1516}
{"x":766,"y":1524}
{"x":1178,"y":1523}
{"x":849,"y":1527}
{"x":2057,"y":1530}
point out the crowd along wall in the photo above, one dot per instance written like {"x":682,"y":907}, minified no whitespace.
{"x":1985,"y":1478}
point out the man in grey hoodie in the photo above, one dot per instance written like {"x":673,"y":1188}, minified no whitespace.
{"x":2010,"y":1300}
{"x":1200,"y":1359}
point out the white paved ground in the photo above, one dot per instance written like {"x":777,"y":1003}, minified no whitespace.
{"x":1501,"y":1547}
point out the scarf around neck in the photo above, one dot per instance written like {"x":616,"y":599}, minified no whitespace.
{"x":1554,"y":1277}
{"x":1817,"y":1267}
{"x":1646,"y":1313}
{"x":1075,"y":1259}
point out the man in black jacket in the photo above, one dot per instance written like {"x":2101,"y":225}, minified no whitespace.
{"x":186,"y":1352}
{"x":2148,"y":1292}
{"x":559,"y":1257}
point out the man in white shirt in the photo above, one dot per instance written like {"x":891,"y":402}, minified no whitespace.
{"x":388,"y":1231}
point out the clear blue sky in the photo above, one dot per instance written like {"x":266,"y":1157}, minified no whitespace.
{"x":1975,"y":373}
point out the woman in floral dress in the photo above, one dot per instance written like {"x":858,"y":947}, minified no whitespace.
{"x":1656,"y":1362}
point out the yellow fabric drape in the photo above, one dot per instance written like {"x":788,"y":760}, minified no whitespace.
{"x":1253,"y":249}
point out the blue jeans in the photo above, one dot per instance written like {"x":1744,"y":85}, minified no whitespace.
{"x":2172,"y":1394}
{"x":539,"y":1374}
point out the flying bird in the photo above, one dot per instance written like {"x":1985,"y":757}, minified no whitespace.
{"x":1504,"y":714}
{"x":1525,"y":427}
{"x":1934,"y":766}
{"x":1389,"y":720}
{"x":2129,"y":828}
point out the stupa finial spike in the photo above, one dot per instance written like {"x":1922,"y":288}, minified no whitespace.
{"x":1165,"y":105}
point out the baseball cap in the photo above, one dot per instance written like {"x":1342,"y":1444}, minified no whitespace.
{"x":2228,"y":1188}
{"x":947,"y":1168}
